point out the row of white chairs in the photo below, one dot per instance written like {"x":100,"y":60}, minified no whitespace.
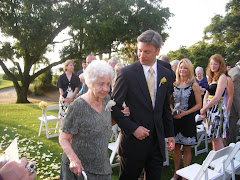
{"x":221,"y":164}
{"x":46,"y":119}
{"x":113,"y":146}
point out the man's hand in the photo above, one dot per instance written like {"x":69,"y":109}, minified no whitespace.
{"x":171,"y":143}
{"x":141,"y":133}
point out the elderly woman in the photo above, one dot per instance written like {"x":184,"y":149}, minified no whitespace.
{"x":87,"y":128}
{"x":202,"y":81}
{"x":186,"y":100}
{"x":68,"y":84}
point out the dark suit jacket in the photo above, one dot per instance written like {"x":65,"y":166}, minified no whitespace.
{"x":80,"y":72}
{"x":167,"y":65}
{"x":131,"y":88}
{"x":235,"y":75}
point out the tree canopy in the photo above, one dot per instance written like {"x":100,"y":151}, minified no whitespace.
{"x":225,"y":31}
{"x":222,"y":36}
{"x":114,"y":23}
{"x":97,"y":26}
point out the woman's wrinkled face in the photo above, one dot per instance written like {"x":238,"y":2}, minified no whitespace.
{"x":101,"y":87}
{"x":199,"y":75}
{"x":214,"y":66}
{"x":183,"y":71}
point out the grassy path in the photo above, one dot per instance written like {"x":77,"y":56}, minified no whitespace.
{"x":20,"y":120}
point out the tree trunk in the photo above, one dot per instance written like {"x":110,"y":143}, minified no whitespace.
{"x":22,"y":92}
{"x":100,"y":56}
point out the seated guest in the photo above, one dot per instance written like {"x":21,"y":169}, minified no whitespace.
{"x":202,"y":81}
{"x":174,"y":64}
{"x":87,"y":127}
{"x":112,"y":62}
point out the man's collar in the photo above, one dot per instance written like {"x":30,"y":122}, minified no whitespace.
{"x":146,"y":68}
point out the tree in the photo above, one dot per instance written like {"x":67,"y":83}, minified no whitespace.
{"x":202,"y":51}
{"x":114,"y":23}
{"x":198,"y":53}
{"x":225,"y":31}
{"x":179,"y":54}
{"x":33,"y":24}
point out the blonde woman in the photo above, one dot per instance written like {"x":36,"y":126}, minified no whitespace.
{"x":187,"y":100}
{"x":216,"y":120}
{"x":68,"y":84}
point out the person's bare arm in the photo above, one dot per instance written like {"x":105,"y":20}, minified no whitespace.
{"x":75,"y":163}
{"x":222,"y":84}
{"x":198,"y":99}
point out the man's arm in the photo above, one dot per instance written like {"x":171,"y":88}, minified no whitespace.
{"x":119,"y":95}
{"x":167,"y":114}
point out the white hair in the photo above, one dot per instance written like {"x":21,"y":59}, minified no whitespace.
{"x":97,"y":68}
{"x":113,"y":61}
{"x":199,"y":69}
{"x":174,"y":62}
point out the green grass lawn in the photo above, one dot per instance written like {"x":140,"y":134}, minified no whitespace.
{"x":20,"y":120}
{"x":5,"y":83}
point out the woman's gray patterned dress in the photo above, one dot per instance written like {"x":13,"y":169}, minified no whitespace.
{"x":91,"y":132}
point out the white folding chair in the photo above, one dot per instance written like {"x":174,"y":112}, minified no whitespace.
{"x":47,"y":119}
{"x":166,"y":162}
{"x":238,"y":137}
{"x":114,"y":132}
{"x":197,"y":172}
{"x":113,"y":146}
{"x":201,"y":137}
{"x":229,"y":164}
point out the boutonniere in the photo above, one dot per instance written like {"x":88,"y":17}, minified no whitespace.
{"x":163,"y":81}
{"x":109,"y":105}
{"x":42,"y":105}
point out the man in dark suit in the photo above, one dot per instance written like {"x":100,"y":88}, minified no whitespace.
{"x":89,"y":59}
{"x":144,"y":86}
{"x":84,"y":66}
{"x":235,"y":109}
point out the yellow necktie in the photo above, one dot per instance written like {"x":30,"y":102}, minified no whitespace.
{"x":151,"y":84}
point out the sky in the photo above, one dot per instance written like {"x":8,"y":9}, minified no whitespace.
{"x":187,"y":25}
{"x":191,"y":17}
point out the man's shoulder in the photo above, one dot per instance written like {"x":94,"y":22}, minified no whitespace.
{"x":234,"y":71}
{"x":80,"y":72}
{"x":164,"y":68}
{"x":165,"y":64}
{"x":131,"y":67}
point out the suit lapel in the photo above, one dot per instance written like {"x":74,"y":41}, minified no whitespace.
{"x":143,"y":84}
{"x":159,"y":77}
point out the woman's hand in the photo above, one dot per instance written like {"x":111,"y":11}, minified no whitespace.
{"x":179,"y":116}
{"x":203,"y":114}
{"x":126,"y":111}
{"x":76,"y":167}
{"x":68,"y":100}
